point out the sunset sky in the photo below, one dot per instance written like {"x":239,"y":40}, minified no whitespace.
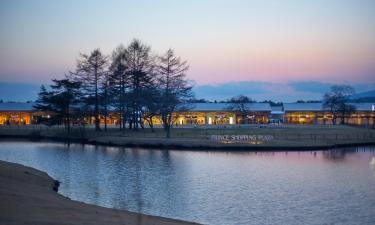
{"x":272,"y":47}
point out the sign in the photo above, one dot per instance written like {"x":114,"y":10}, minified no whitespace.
{"x":241,"y":138}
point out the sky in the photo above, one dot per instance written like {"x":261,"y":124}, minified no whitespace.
{"x":268,"y":49}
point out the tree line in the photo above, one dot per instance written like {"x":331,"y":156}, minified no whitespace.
{"x":139,"y":85}
{"x":132,"y":81}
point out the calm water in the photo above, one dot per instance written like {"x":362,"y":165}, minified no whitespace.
{"x":328,"y":187}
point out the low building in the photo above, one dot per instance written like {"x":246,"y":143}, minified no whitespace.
{"x":277,"y":114}
{"x":17,"y":113}
{"x":364,"y":114}
{"x":213,"y":114}
{"x":219,"y":114}
{"x":304,"y":113}
{"x":315,"y":113}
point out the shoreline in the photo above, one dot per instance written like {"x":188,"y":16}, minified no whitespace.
{"x":181,"y":144}
{"x":29,"y":196}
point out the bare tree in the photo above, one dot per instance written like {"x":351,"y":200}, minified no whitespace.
{"x":151,"y":107}
{"x":90,"y":72}
{"x":345,"y":111}
{"x":336,"y":101}
{"x":104,"y":98}
{"x":119,"y":83}
{"x":141,"y":74}
{"x":173,"y":86}
{"x":240,"y":104}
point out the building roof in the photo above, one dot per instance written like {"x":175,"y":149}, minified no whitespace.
{"x":214,"y":107}
{"x":303,"y":107}
{"x":16,"y":106}
{"x":277,"y":110}
{"x":315,"y":107}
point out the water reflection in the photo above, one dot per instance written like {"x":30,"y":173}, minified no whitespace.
{"x":337,"y":154}
{"x":317,"y":187}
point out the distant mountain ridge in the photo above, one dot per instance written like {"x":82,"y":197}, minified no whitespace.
{"x":18,"y":92}
{"x":368,"y":96}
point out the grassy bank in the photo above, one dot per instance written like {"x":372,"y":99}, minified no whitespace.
{"x":283,"y":137}
{"x":28,"y":197}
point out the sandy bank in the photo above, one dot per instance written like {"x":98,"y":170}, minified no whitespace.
{"x":27,"y":197}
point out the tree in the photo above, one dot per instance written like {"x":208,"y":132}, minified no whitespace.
{"x":60,"y":100}
{"x":173,"y":86}
{"x":42,"y":103}
{"x":119,"y":83}
{"x":345,"y":110}
{"x":336,"y":101}
{"x":240,"y":104}
{"x":141,"y":67}
{"x":90,"y":72}
{"x":152,"y":106}
{"x":104,"y":98}
{"x":194,"y":100}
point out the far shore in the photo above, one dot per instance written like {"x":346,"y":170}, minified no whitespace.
{"x":28,"y":196}
{"x":280,"y":138}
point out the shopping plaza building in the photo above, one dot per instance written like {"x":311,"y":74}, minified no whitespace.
{"x":315,"y":113}
{"x":215,"y":114}
{"x":17,"y":113}
{"x":220,"y":114}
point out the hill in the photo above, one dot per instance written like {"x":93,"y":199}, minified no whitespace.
{"x":368,"y":96}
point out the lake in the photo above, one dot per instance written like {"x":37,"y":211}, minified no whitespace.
{"x":318,"y":187}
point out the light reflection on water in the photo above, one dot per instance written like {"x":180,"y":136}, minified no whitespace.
{"x":324,"y":187}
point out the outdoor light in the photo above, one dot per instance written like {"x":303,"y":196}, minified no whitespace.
{"x":230,"y":120}
{"x":209,"y":120}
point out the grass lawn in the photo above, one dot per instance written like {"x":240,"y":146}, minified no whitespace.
{"x":282,"y":135}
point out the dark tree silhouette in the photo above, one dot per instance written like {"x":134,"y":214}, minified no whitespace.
{"x":175,"y":91}
{"x":151,"y":107}
{"x":90,"y":72}
{"x":137,"y":84}
{"x":141,"y":66}
{"x":345,"y":110}
{"x":105,"y":99}
{"x":119,"y":83}
{"x":337,"y":101}
{"x":60,"y":100}
{"x":240,"y":104}
{"x":42,"y":103}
